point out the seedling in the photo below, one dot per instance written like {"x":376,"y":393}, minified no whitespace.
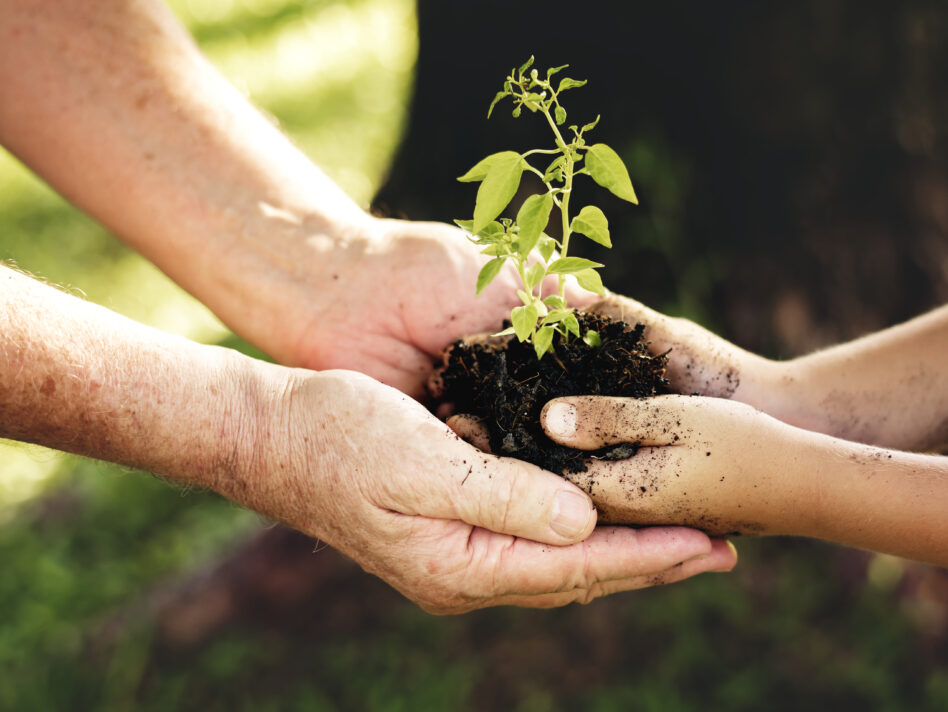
{"x":535,"y":254}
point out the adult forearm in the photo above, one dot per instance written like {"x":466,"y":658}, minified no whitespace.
{"x":112,"y":103}
{"x":77,"y":377}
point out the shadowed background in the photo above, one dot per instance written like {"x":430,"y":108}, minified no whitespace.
{"x":792,"y":167}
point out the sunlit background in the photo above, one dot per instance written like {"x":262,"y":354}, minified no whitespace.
{"x":120,"y":592}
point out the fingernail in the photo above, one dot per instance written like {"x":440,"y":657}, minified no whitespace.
{"x":571,"y":513}
{"x":733,"y":548}
{"x":561,"y":419}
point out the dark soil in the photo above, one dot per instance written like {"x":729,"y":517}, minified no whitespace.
{"x":505,"y":385}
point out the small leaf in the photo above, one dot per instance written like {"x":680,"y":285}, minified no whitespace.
{"x":526,"y":65}
{"x":497,"y":188}
{"x":547,"y":247}
{"x":555,"y":316}
{"x":554,"y":70}
{"x":608,"y":170}
{"x":524,"y":320}
{"x":543,"y":340}
{"x":555,"y":170}
{"x":498,"y":249}
{"x":516,"y":112}
{"x":491,"y":232}
{"x":590,"y":126}
{"x":590,"y":279}
{"x":500,"y":95}
{"x":592,"y":339}
{"x":567,"y":83}
{"x":571,"y":324}
{"x":571,"y":265}
{"x":555,"y":301}
{"x":524,"y":297}
{"x":535,"y":275}
{"x":542,"y":311}
{"x":482,"y":168}
{"x":488,"y":272}
{"x":593,"y":224}
{"x":532,"y":218}
{"x":466,"y":225}
{"x":506,"y":332}
{"x":560,"y":115}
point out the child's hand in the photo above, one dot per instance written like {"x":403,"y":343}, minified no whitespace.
{"x":709,"y":463}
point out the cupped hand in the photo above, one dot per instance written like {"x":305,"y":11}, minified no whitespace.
{"x":708,"y":463}
{"x":391,"y":297}
{"x":370,"y":471}
{"x":698,"y":360}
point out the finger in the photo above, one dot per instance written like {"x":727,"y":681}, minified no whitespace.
{"x":721,"y":559}
{"x":512,"y":497}
{"x":609,"y":554}
{"x":592,"y":422}
{"x":471,"y":429}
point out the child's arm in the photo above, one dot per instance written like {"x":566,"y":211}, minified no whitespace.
{"x":888,"y":389}
{"x":727,"y":468}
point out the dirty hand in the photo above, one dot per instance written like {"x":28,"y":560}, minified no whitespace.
{"x":699,"y":361}
{"x":370,"y":471}
{"x":709,"y":463}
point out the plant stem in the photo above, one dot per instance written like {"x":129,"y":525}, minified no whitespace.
{"x":567,"y":189}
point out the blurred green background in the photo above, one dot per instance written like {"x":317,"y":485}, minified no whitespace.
{"x":120,"y":592}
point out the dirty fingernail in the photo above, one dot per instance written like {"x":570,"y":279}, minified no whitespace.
{"x":561,"y":419}
{"x":732,"y":548}
{"x":571,"y":513}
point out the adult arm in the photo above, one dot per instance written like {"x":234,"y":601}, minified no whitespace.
{"x":888,"y":389}
{"x":727,"y":468}
{"x":112,"y":103}
{"x":334,"y":454}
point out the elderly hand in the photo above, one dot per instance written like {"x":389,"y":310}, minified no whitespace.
{"x":372,"y":473}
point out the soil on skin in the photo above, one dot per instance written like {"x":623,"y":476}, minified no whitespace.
{"x":506,"y":386}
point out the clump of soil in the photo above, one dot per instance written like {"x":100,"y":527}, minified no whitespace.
{"x":505,"y":385}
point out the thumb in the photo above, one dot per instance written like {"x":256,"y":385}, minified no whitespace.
{"x":592,"y":422}
{"x":512,"y":497}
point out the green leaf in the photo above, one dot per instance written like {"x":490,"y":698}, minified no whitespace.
{"x":488,"y":272}
{"x":593,"y":224}
{"x":533,"y":216}
{"x":555,"y":170}
{"x":482,"y":168}
{"x":524,"y":320}
{"x":516,"y":112}
{"x":567,"y":83}
{"x":554,"y":70}
{"x":543,"y":340}
{"x":466,"y":225}
{"x":498,"y":249}
{"x":590,"y":279}
{"x":506,"y":332}
{"x":555,"y":301}
{"x":547,"y":247}
{"x":555,"y":316}
{"x":524,"y":297}
{"x":535,"y":274}
{"x":560,"y":114}
{"x":497,"y":188}
{"x":526,"y":65}
{"x":571,"y":324}
{"x":491,"y":232}
{"x":571,"y":265}
{"x":590,"y":126}
{"x":497,"y":97}
{"x":592,"y":339}
{"x":608,"y":170}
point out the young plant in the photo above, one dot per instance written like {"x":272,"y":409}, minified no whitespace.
{"x":524,"y":241}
